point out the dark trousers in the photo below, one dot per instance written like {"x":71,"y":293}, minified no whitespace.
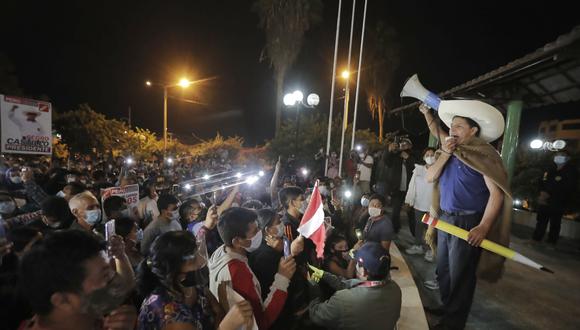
{"x":397,"y":200}
{"x":456,"y":271}
{"x":546,"y":214}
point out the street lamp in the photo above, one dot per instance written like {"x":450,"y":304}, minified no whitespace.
{"x":296,"y":99}
{"x":183,"y":83}
{"x":546,"y":145}
{"x":345,"y":75}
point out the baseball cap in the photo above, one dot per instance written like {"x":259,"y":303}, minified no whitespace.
{"x":374,"y":258}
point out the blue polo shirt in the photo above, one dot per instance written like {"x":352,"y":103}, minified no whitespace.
{"x":462,"y":188}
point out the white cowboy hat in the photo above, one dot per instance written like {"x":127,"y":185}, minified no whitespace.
{"x":490,"y":120}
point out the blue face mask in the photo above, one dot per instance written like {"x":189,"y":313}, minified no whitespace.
{"x":93,"y":217}
{"x":559,"y":160}
{"x":139,"y":237}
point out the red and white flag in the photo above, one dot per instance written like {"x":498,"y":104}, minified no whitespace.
{"x":312,"y":224}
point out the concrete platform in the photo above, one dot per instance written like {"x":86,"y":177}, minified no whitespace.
{"x":525,"y":298}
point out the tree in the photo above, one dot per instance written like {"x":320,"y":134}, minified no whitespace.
{"x":381,"y":60}
{"x":285,"y":22}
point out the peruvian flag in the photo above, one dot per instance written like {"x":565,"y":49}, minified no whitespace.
{"x":312,"y":224}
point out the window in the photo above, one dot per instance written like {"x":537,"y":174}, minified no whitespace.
{"x":571,"y":126}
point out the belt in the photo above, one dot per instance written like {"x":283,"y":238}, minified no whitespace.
{"x":458,"y":213}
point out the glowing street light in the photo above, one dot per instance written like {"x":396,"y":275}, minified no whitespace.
{"x":289,"y":100}
{"x":298,"y":96}
{"x":345,"y":74}
{"x":536,"y":144}
{"x":183,"y":83}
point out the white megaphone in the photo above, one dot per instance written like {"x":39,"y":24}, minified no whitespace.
{"x":414,"y":88}
{"x":489,"y":119}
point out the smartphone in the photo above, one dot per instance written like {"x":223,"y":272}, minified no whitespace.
{"x":287,"y":252}
{"x":358,"y":234}
{"x":109,"y":230}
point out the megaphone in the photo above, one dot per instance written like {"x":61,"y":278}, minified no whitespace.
{"x":489,"y":119}
{"x":414,"y":88}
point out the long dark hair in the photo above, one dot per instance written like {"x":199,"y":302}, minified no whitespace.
{"x":164,"y":263}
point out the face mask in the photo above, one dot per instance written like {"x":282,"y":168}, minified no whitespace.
{"x":256,"y":241}
{"x":7,"y":207}
{"x":69,"y":180}
{"x":60,"y":194}
{"x":323,"y":190}
{"x":16,"y":179}
{"x":93,"y":216}
{"x":303,"y":207}
{"x":105,"y":300}
{"x":374,"y":212}
{"x":125,"y":213}
{"x":364,"y":202}
{"x":559,"y":160}
{"x":190,"y":280}
{"x":279,"y":230}
{"x":175,"y":215}
{"x":361,"y":155}
{"x":429,"y":160}
{"x":139,"y":235}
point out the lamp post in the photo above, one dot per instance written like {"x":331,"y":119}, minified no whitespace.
{"x":345,"y":75}
{"x":183,"y":83}
{"x":297,"y":99}
{"x":547,"y":145}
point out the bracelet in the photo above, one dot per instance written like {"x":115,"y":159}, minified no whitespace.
{"x":445,"y":151}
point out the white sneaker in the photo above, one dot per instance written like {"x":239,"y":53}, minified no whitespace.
{"x":431,"y":285}
{"x":415,"y":249}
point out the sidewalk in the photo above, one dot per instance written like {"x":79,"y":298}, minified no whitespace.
{"x":524,"y":298}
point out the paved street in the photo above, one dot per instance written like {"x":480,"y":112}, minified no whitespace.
{"x":525,"y":298}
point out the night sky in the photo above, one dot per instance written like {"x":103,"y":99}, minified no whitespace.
{"x":101,"y":53}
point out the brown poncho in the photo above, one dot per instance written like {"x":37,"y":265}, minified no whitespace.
{"x":483,"y":158}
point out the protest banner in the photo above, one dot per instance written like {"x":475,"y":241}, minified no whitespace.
{"x":26,"y":125}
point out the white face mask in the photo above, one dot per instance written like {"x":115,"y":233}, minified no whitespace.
{"x":92,"y":217}
{"x":256,"y":241}
{"x":7,"y":207}
{"x":559,"y":160}
{"x":16,"y":179}
{"x":374,"y":212}
{"x":364,"y":202}
{"x":323,"y":190}
{"x":175,"y":215}
{"x":279,"y":230}
{"x":361,"y":155}
{"x":60,"y":194}
{"x":429,"y":160}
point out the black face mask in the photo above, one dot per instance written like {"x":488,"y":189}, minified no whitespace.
{"x":190,"y":279}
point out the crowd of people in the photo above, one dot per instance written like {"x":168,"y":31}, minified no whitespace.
{"x":206,"y":244}
{"x":204,"y":247}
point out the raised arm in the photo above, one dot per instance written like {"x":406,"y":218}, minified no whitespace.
{"x":432,"y":123}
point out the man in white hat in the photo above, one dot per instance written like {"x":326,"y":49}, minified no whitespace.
{"x":27,"y":124}
{"x":471,"y":183}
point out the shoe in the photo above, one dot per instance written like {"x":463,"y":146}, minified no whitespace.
{"x":431,"y":285}
{"x":429,"y":257}
{"x":415,"y":249}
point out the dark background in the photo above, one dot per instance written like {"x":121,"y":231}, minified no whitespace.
{"x":101,"y":53}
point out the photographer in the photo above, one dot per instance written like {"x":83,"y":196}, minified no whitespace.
{"x":399,"y":162}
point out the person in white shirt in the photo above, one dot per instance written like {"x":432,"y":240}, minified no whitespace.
{"x":28,"y":124}
{"x":365,"y":168}
{"x":147,"y":206}
{"x":419,"y":194}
